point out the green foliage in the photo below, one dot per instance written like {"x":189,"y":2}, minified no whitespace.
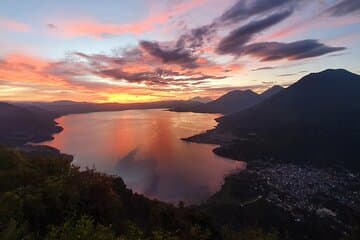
{"x":82,"y":229}
{"x":133,"y":232}
{"x":196,"y":232}
{"x":163,"y":235}
{"x":50,"y":196}
{"x":248,"y":234}
{"x":13,"y":231}
{"x":354,"y":234}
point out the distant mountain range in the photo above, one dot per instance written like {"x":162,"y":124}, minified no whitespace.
{"x":22,"y":122}
{"x":201,"y":99}
{"x":315,"y":120}
{"x":231,"y":102}
{"x":60,"y":108}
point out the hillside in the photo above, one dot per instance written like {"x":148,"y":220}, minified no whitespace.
{"x":20,"y":125}
{"x":233,"y":101}
{"x":314,"y":120}
{"x":46,"y":197}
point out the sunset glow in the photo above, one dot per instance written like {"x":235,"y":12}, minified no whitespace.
{"x":153,"y":50}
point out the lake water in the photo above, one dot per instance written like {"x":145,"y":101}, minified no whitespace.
{"x":144,"y":148}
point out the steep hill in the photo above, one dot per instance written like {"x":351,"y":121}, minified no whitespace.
{"x":232,"y":102}
{"x":315,"y":120}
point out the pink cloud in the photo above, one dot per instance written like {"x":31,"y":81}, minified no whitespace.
{"x":318,"y":22}
{"x":92,"y":27}
{"x":12,"y":25}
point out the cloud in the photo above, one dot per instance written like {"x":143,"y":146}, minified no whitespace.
{"x":243,"y":9}
{"x":345,"y":7}
{"x":139,"y":66}
{"x":15,"y":26}
{"x":233,"y":43}
{"x":270,"y":51}
{"x":197,"y":37}
{"x":157,"y":77}
{"x":176,"y":55}
{"x":51,"y":26}
{"x":92,"y":27}
{"x":287,"y":74}
{"x":262,"y":68}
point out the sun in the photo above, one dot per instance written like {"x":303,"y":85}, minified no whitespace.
{"x":130,"y":98}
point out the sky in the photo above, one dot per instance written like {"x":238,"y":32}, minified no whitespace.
{"x":154,"y":50}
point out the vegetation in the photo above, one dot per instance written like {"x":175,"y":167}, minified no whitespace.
{"x":46,"y":197}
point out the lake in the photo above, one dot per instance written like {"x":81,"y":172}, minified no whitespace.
{"x":144,"y":147}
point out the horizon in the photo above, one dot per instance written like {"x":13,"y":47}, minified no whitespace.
{"x":153,"y":51}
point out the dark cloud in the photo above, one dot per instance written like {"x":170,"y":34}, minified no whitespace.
{"x":157,"y":77}
{"x":243,"y":9}
{"x":178,"y":55}
{"x":268,"y":51}
{"x":345,"y":7}
{"x":287,"y":74}
{"x":291,"y":74}
{"x":195,"y":38}
{"x":234,"y":42}
{"x":51,"y":26}
{"x":262,"y":68}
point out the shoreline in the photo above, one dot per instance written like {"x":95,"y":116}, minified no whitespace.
{"x":36,"y":147}
{"x":262,"y":186}
{"x":301,"y":195}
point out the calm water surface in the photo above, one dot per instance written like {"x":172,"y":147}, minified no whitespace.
{"x":144,"y":148}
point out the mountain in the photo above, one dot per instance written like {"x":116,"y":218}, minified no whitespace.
{"x":314,"y":120}
{"x":271,"y":91}
{"x":328,"y":93}
{"x":19,"y":125}
{"x":232,"y":102}
{"x":69,"y":107}
{"x":201,"y":99}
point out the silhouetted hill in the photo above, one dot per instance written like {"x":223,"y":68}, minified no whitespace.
{"x":22,"y":122}
{"x":271,"y":91}
{"x":316,"y":119}
{"x":201,"y":99}
{"x":19,"y":125}
{"x":232,"y":102}
{"x":68,"y":107}
{"x":328,"y":93}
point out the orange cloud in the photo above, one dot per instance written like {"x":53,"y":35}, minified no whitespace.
{"x":30,"y":78}
{"x":11,"y":25}
{"x":28,"y":69}
{"x":25,"y":78}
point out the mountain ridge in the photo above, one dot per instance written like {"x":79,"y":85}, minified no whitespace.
{"x":231,"y":102}
{"x":313,"y":121}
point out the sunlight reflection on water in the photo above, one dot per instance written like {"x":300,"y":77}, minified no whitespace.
{"x":144,"y":148}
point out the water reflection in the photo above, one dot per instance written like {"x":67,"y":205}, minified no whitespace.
{"x":144,"y":148}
